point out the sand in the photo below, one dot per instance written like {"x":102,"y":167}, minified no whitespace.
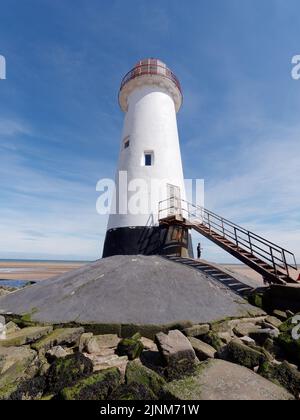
{"x":36,"y":271}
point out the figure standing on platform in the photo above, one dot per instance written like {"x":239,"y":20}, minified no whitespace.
{"x":199,"y":251}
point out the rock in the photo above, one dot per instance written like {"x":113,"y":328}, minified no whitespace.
{"x":273,"y":321}
{"x":280,"y":315}
{"x":247,"y":340}
{"x":222,"y":327}
{"x":11,"y":327}
{"x":83,"y":341}
{"x":237,"y":352}
{"x":59,"y":337}
{"x":213,"y":340}
{"x":196,"y":330}
{"x":283,"y":374}
{"x":225,"y":337}
{"x":11,"y":355}
{"x":25,"y":336}
{"x":31,"y":389}
{"x":220,"y":380}
{"x":273,"y":348}
{"x":148,"y":344}
{"x":68,"y":370}
{"x":99,"y":342}
{"x":203,"y":350}
{"x":256,"y":298}
{"x":290,"y":345}
{"x":177,"y":353}
{"x":56,"y":352}
{"x":139,"y":374}
{"x":108,"y":361}
{"x":245,"y":328}
{"x":132,"y":391}
{"x":262,"y":335}
{"x":17,"y":372}
{"x":131,"y":347}
{"x":95,"y":387}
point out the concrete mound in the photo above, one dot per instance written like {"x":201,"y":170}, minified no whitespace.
{"x":139,"y":290}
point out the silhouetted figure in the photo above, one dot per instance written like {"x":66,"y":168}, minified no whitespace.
{"x":199,"y":251}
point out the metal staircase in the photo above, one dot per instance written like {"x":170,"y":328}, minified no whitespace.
{"x":273,"y":262}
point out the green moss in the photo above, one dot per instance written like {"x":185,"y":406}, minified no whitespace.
{"x":95,"y":387}
{"x":243,"y":355}
{"x":132,"y":392}
{"x":256,"y":299}
{"x":286,"y":341}
{"x":283,"y":375}
{"x":66,"y":371}
{"x":137,"y":373}
{"x":131,"y":347}
{"x":213,"y":340}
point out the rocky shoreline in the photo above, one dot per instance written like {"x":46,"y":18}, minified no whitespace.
{"x":233,"y":359}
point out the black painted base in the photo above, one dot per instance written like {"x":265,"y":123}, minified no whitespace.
{"x":159,"y":240}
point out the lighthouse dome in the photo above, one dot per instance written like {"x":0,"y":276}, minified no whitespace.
{"x":150,"y":71}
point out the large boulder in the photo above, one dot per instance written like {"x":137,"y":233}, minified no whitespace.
{"x":283,"y":374}
{"x":130,"y":347}
{"x":95,"y":387}
{"x":59,"y":337}
{"x":139,"y":374}
{"x":240,"y":353}
{"x":203,"y":350}
{"x":220,"y":380}
{"x":99,"y":342}
{"x":66,"y":371}
{"x":17,"y":367}
{"x":25,"y":336}
{"x":177,"y":353}
{"x":196,"y":330}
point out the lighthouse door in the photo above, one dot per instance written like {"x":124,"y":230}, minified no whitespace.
{"x":174,"y":200}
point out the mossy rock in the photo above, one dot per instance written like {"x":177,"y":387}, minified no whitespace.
{"x":25,"y":336}
{"x":239,"y":353}
{"x":132,"y":392}
{"x":286,"y":341}
{"x":59,"y":337}
{"x":68,"y":370}
{"x":284,"y":375}
{"x":20,"y":371}
{"x":95,"y":387}
{"x":213,"y":340}
{"x":256,"y":299}
{"x":32,"y":389}
{"x":136,"y":372}
{"x":131,"y":347}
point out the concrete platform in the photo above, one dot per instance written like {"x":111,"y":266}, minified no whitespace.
{"x":139,"y":290}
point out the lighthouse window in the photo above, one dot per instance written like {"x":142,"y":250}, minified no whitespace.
{"x":126,"y":142}
{"x":148,"y":159}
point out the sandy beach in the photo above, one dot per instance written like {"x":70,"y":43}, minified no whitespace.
{"x":42,"y":270}
{"x":35,"y":270}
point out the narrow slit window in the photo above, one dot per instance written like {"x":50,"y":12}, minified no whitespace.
{"x":126,"y":142}
{"x":148,"y":159}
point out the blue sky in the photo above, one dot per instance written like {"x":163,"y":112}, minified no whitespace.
{"x":60,"y":124}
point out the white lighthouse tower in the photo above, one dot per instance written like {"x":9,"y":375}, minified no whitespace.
{"x":150,"y":95}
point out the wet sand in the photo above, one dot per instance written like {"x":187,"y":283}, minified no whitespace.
{"x":41,"y":270}
{"x":35,"y":270}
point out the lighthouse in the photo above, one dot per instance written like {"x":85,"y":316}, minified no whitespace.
{"x":149,"y":168}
